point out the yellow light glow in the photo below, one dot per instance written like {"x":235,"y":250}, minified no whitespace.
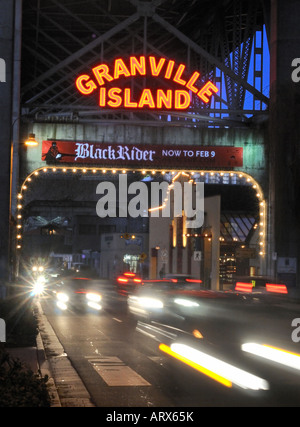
{"x":31,"y":141}
{"x":199,"y":368}
{"x":215,"y":368}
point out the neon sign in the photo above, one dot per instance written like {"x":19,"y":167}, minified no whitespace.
{"x":104,"y":78}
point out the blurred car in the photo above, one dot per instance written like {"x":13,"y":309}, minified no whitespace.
{"x":162,"y":300}
{"x":77,"y":291}
{"x":180,"y":310}
{"x":126,"y":283}
{"x":183,"y":279}
{"x":263,"y":288}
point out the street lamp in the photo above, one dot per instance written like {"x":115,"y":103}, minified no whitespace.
{"x":31,"y":141}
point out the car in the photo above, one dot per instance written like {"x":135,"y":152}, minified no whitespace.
{"x":77,"y":292}
{"x":183,"y":279}
{"x":180,"y":310}
{"x":263,"y":288}
{"x":127,"y":282}
{"x":161,"y":299}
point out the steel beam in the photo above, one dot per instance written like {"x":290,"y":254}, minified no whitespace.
{"x":90,"y":46}
{"x":210,"y":58}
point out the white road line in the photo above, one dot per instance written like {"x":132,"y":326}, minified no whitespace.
{"x":117,"y":320}
{"x":115,"y":373}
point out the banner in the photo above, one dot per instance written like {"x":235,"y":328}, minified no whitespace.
{"x":143,"y":156}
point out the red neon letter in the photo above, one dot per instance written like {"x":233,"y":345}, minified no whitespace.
{"x":181,"y":104}
{"x":102,"y":97}
{"x":101,"y":72}
{"x":156,"y":69}
{"x":207,"y":90}
{"x":120,"y":68}
{"x":127,"y":102}
{"x":116,"y":100}
{"x":178,"y":74}
{"x":164,"y":98}
{"x":86,"y":88}
{"x":192,"y":80}
{"x":136,"y":65}
{"x":146,"y":99}
{"x":169,"y":69}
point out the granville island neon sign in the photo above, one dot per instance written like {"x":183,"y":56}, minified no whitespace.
{"x":161,"y":99}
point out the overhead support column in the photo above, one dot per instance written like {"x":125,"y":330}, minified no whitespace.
{"x":7,"y":16}
{"x":284,"y":142}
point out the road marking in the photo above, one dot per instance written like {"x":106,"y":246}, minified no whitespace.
{"x":157,"y":359}
{"x":115,"y":373}
{"x":117,"y":320}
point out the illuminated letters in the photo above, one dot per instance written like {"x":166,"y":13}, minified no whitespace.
{"x":206,"y":91}
{"x":138,"y":65}
{"x":156,"y":68}
{"x":101,"y":72}
{"x":85,"y":85}
{"x":120,"y":68}
{"x":116,"y":97}
{"x":182,"y":99}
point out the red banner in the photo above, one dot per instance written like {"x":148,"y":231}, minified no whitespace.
{"x":148,"y":156}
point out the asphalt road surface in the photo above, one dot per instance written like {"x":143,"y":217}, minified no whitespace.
{"x":121,"y":364}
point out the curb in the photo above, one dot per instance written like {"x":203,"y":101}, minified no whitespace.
{"x":45,"y":370}
{"x":66,"y":387}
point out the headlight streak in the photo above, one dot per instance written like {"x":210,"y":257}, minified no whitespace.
{"x":148,"y":302}
{"x":61,"y":305}
{"x":94,"y":305}
{"x":216,"y":369}
{"x":93,"y":297}
{"x":274,"y":354}
{"x":155,"y":330}
{"x":62,"y":297}
{"x":185,"y":302}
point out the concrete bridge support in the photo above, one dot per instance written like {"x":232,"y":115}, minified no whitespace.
{"x":284,"y":140}
{"x":10,"y":36}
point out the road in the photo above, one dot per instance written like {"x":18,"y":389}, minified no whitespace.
{"x":121,"y":364}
